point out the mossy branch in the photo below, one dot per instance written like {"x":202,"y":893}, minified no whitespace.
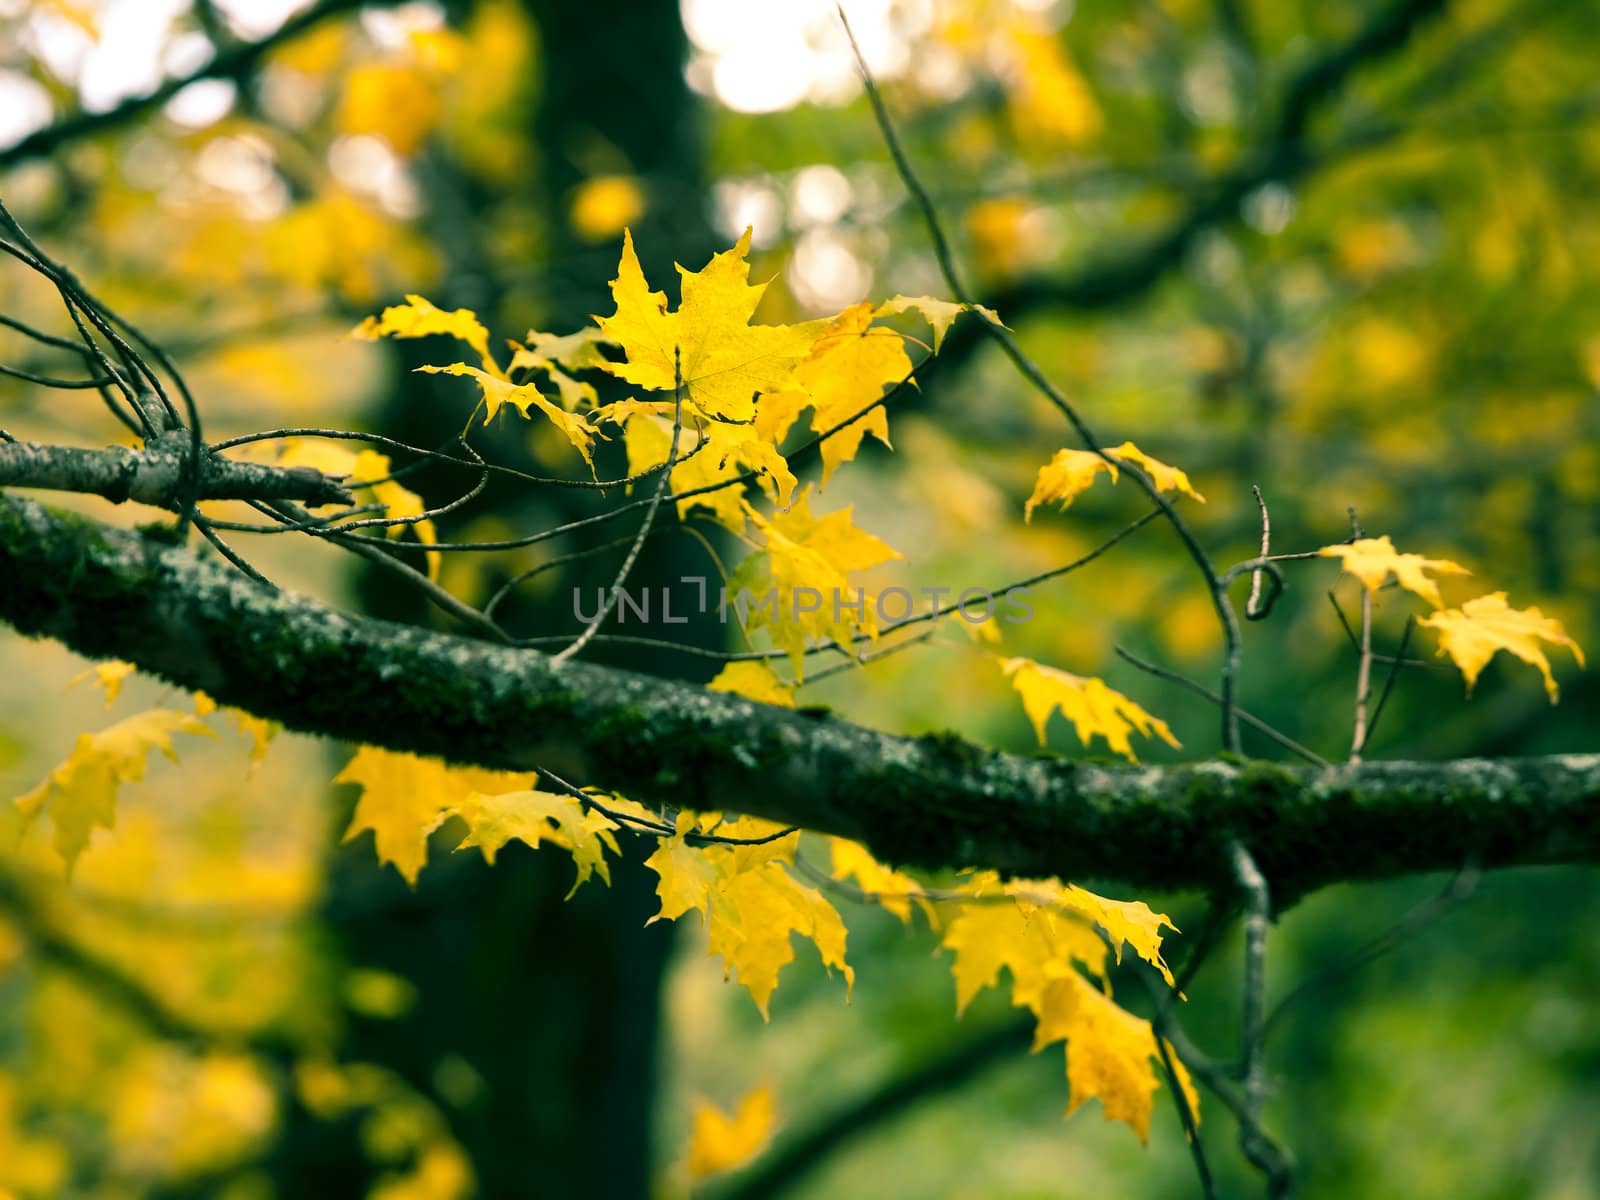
{"x":933,"y":801}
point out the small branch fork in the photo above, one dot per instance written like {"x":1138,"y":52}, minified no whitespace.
{"x":174,"y":470}
{"x":155,"y":475}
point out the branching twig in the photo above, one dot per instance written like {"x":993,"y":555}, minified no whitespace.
{"x":1395,"y":664}
{"x":1254,"y":722}
{"x":623,"y":571}
{"x":1031,"y":372}
{"x":1252,"y":606}
{"x":1460,"y":888}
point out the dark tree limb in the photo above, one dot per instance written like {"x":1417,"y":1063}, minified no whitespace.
{"x":1282,"y":155}
{"x":131,"y":996}
{"x":931,"y":801}
{"x":236,"y":62}
{"x":793,"y":1160}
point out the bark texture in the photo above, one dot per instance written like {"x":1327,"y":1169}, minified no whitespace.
{"x":930,"y":801}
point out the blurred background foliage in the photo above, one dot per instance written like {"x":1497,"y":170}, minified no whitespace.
{"x":1347,"y":252}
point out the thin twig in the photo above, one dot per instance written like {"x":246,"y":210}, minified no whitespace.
{"x":1460,"y":888}
{"x":830,"y":645}
{"x":661,"y":828}
{"x":857,"y":662}
{"x":584,"y":638}
{"x":1191,"y":1129}
{"x":1358,"y":736}
{"x":1394,"y":673}
{"x":1387,"y":659}
{"x":232,"y":555}
{"x":1263,"y":1151}
{"x":1256,"y":723}
{"x":1252,"y":606}
{"x":371,"y":550}
{"x":51,"y":381}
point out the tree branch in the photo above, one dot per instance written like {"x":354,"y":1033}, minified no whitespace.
{"x":233,"y":63}
{"x":130,"y":995}
{"x":153,"y":475}
{"x":931,"y":801}
{"x":1131,"y":270}
{"x":793,"y":1160}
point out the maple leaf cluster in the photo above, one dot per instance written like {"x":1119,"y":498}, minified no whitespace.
{"x":1470,"y":634}
{"x":738,"y":388}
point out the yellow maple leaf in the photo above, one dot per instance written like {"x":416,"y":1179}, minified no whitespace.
{"x":1022,"y":937}
{"x":884,"y":884}
{"x":1045,"y":938}
{"x":419,"y":317}
{"x":1166,"y":479}
{"x":849,"y":367}
{"x":81,"y":792}
{"x":108,"y":675}
{"x":1472,"y":634}
{"x":687,"y":876}
{"x":544,"y":352}
{"x":535,"y":817}
{"x":259,"y":730}
{"x":749,"y":902}
{"x":725,"y":361}
{"x":620,"y":412}
{"x":715,"y":452}
{"x":802,"y":575}
{"x":576,"y":351}
{"x":1111,"y":1054}
{"x":1125,"y":922}
{"x":499,"y":391}
{"x":1373,"y":560}
{"x":405,"y":797}
{"x":719,"y":1142}
{"x":754,"y":681}
{"x":940,"y":314}
{"x":1091,"y":706}
{"x":1068,"y":473}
